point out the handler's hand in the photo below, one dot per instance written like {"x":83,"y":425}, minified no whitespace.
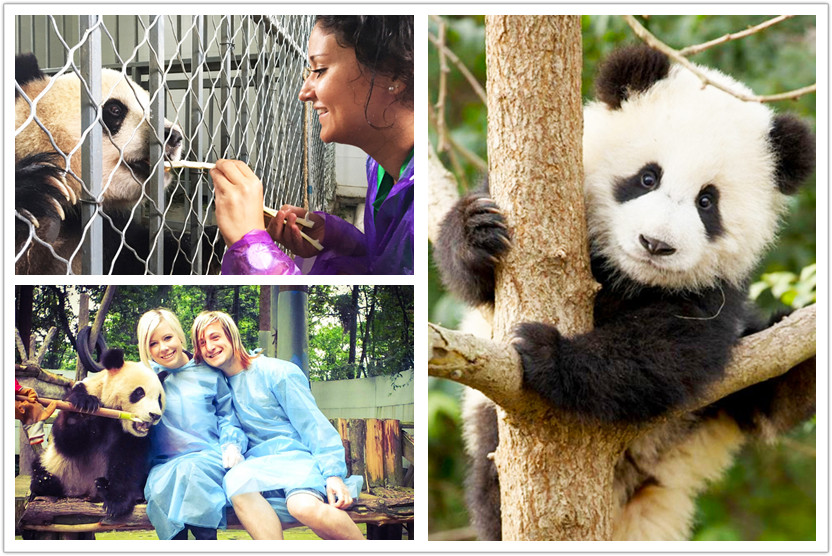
{"x":337,"y":493}
{"x":288,"y":233}
{"x":231,"y":456}
{"x":238,"y":200}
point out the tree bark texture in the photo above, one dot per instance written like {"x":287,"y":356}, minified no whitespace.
{"x":555,"y":475}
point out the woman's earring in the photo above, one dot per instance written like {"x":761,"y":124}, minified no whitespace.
{"x":391,"y":88}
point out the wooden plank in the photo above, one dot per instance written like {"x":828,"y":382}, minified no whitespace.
{"x":392,"y":451}
{"x":78,"y":515}
{"x":407,"y":447}
{"x":374,"y":453}
{"x":357,"y":432}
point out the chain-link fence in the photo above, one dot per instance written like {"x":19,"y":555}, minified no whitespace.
{"x":230,"y":83}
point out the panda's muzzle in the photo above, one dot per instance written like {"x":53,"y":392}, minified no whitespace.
{"x":143,"y":427}
{"x":173,"y":144}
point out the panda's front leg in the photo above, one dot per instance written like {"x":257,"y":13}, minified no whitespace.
{"x":472,"y":239}
{"x":126,"y":473}
{"x":631,"y":370}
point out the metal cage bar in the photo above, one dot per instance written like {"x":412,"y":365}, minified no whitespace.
{"x":92,"y":169}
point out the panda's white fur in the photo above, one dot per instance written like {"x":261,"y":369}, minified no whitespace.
{"x":85,"y":449}
{"x":724,"y":143}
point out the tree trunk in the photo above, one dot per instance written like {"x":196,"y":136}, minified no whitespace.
{"x":555,"y":476}
{"x":353,"y":329}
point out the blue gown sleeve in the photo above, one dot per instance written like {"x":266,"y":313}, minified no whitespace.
{"x":316,"y":432}
{"x":230,"y":430}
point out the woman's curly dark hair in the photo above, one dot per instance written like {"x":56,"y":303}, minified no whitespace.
{"x":383,"y":44}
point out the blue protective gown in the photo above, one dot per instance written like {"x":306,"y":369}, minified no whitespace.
{"x":290,"y":442}
{"x":185,"y":482}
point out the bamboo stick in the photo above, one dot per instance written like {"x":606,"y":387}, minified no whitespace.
{"x":101,"y":412}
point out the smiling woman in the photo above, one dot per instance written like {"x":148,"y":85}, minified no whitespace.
{"x":360,"y":83}
{"x":198,"y":438}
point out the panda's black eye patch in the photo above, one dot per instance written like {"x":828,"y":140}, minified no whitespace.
{"x":113,"y":113}
{"x":647,"y":179}
{"x":707,"y":204}
{"x":136,"y":394}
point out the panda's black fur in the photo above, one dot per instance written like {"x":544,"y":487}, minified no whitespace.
{"x":98,"y":457}
{"x":661,"y":335}
{"x":48,"y":224}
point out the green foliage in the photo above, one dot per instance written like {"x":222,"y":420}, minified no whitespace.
{"x":384,"y":331}
{"x":788,"y":288}
{"x":446,"y":468}
{"x":778,"y":59}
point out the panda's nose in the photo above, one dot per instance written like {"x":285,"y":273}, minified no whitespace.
{"x":656,"y":246}
{"x":173,"y":138}
{"x":155,"y":417}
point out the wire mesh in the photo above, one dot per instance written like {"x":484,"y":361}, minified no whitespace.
{"x":230,"y":83}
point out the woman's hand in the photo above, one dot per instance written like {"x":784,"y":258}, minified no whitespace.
{"x":337,"y":493}
{"x":238,"y":200}
{"x":288,"y":233}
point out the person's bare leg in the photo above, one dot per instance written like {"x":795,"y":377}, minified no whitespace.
{"x":326,"y":521}
{"x":257,"y":516}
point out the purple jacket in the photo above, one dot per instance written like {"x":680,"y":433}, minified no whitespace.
{"x":385,"y":247}
{"x":256,"y":253}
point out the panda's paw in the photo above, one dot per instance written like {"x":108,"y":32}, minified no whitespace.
{"x":101,"y":486}
{"x":537,"y":344}
{"x":43,"y":196}
{"x":116,"y":509}
{"x":473,"y":238}
{"x":81,"y":399}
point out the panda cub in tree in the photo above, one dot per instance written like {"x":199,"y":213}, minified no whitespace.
{"x":684,"y":189}
{"x":100,"y":457}
{"x":48,"y":139}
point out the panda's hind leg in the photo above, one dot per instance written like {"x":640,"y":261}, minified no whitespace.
{"x":44,"y":483}
{"x":126,"y":474}
{"x":482,"y":486}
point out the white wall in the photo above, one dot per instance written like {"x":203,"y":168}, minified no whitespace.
{"x":366,"y":398}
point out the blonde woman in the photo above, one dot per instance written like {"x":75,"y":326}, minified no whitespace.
{"x":198,"y":438}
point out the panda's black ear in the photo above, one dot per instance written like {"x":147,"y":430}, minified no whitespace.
{"x":629,"y":70}
{"x":163,"y":375}
{"x":113,"y":359}
{"x":794,"y":146}
{"x":26,"y":69}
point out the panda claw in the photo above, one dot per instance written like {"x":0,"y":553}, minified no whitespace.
{"x":58,"y":208}
{"x":29,"y":216}
{"x":61,"y":185}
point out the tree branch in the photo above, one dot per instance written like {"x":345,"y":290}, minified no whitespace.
{"x":495,"y":369}
{"x":443,"y":193}
{"x":675,"y":55}
{"x":490,"y":367}
{"x":697,"y":48}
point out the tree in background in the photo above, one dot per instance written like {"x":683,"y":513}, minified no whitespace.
{"x":457,"y":128}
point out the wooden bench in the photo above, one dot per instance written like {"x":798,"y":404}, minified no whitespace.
{"x":373,"y":448}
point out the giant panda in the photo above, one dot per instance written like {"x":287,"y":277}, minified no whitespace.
{"x":48,"y":138}
{"x":99,"y":457}
{"x":684,"y":188}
